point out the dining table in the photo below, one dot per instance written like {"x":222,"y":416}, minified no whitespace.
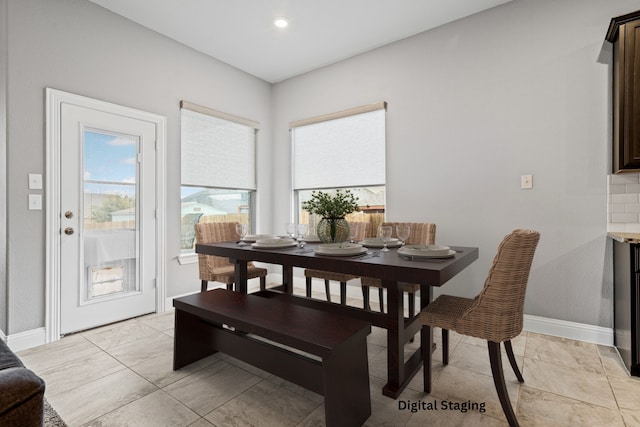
{"x":391,"y":268}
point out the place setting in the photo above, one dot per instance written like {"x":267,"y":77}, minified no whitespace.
{"x":425,"y":252}
{"x":341,"y":249}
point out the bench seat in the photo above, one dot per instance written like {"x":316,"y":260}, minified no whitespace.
{"x":335,"y":365}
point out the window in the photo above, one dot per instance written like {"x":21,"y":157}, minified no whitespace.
{"x":218,"y":164}
{"x":342,"y":150}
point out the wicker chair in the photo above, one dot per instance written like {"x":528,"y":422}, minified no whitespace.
{"x":422,"y":233}
{"x":495,"y":315}
{"x":362,"y":231}
{"x":219,"y":269}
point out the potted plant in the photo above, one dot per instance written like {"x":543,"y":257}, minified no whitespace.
{"x":332,"y":207}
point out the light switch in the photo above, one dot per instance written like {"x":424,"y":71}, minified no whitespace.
{"x":35,"y":202}
{"x":526,"y":181}
{"x":35,"y":181}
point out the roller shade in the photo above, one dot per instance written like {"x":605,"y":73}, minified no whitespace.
{"x":347,"y":151}
{"x":218,"y":149}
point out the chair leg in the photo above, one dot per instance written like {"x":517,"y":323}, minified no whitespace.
{"x":445,"y":346}
{"x":498,"y":380}
{"x":229,"y":286}
{"x":365,"y":298}
{"x":204,"y":285}
{"x":512,"y":360}
{"x":327,"y":290}
{"x":308,"y":280}
{"x":381,"y":298}
{"x":343,"y":293}
{"x":263,"y":283}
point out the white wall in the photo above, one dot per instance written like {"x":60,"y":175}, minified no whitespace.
{"x":523,"y":88}
{"x":76,"y":46}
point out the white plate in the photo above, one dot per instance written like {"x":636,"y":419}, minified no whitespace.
{"x":273,"y":243}
{"x":340,"y":249}
{"x":426,"y":253}
{"x":358,"y":252}
{"x":256,"y":237}
{"x":376,"y":242}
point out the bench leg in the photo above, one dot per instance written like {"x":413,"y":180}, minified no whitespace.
{"x":347,"y":397}
{"x":327,"y":290}
{"x":191,"y":341}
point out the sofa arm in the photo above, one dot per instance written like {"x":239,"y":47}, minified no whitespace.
{"x":21,"y":397}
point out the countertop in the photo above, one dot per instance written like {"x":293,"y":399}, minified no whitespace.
{"x":625,"y":237}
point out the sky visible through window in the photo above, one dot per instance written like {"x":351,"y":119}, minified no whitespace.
{"x":111,"y":161}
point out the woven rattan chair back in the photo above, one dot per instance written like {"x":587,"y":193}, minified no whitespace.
{"x":211,"y":232}
{"x":497,"y":312}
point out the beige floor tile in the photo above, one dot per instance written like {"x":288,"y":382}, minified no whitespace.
{"x":159,"y":370}
{"x":247,"y":367}
{"x":154,"y":410}
{"x":119,"y":334}
{"x":161,"y":322}
{"x":59,"y":353}
{"x":472,"y":358}
{"x":201,"y":423}
{"x":574,"y":383}
{"x":287,"y":385}
{"x":143,"y":349}
{"x":540,"y":408}
{"x":78,"y":372}
{"x":627,"y":392}
{"x":211,"y":387}
{"x":263,"y":404}
{"x":612,"y":362}
{"x":99,"y":397}
{"x":315,"y":419}
{"x":631,"y":418}
{"x":454,"y":418}
{"x":562,"y":351}
{"x":459,"y":385}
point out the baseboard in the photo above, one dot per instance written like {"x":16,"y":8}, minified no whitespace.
{"x":27,"y":339}
{"x":566,"y":329}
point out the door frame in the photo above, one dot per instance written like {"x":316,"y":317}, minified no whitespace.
{"x":54,"y":99}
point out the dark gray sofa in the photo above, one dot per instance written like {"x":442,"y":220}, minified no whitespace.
{"x":21,"y":392}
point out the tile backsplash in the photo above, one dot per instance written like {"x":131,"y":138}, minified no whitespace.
{"x":624,"y":203}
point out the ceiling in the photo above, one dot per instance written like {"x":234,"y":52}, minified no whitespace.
{"x":320,"y":32}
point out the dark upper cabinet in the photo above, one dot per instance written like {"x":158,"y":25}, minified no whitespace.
{"x":624,"y":33}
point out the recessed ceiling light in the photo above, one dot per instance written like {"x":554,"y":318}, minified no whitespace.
{"x":281,"y":22}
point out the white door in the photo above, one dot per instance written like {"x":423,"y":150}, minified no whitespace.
{"x":107,"y":217}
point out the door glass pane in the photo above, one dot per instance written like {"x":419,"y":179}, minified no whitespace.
{"x":110,"y":214}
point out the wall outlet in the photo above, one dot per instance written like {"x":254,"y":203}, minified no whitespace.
{"x":526,"y":181}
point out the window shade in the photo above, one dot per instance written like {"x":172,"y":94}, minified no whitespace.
{"x":217,"y":152}
{"x":344,"y":152}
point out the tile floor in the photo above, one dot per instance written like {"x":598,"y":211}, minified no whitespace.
{"x":121,"y":375}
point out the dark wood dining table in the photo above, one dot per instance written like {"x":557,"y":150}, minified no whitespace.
{"x":389,"y":267}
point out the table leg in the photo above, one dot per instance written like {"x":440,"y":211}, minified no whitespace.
{"x":395,"y":340}
{"x":426,"y":338}
{"x":241,"y":275}
{"x":287,"y":278}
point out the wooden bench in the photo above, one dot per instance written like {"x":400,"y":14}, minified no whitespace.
{"x":339,"y":371}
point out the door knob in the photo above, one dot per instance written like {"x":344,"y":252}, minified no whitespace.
{"x":68,"y":231}
{"x":68,"y":214}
